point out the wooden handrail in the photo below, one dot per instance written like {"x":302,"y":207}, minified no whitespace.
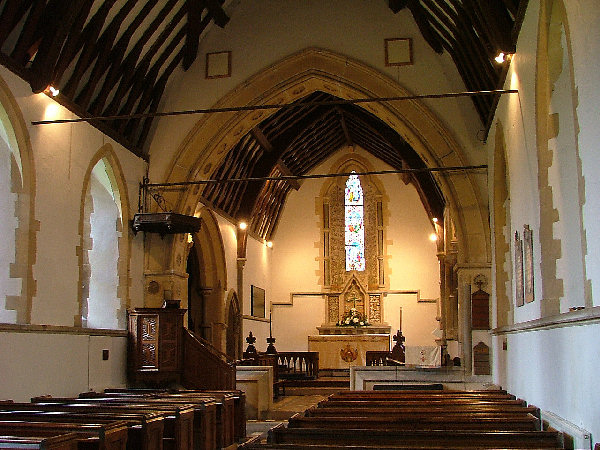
{"x":211,"y":348}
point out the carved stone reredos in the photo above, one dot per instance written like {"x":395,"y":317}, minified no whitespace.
{"x":354,"y":295}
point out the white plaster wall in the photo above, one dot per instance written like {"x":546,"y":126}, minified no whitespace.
{"x":59,"y":364}
{"x":517,"y":114}
{"x":229,"y":236}
{"x":61,"y":155}
{"x":64,"y":364}
{"x":261,"y":33}
{"x":256,"y":272}
{"x":554,"y":369}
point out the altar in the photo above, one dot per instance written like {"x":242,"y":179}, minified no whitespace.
{"x":340,"y":351}
{"x":353,"y":326}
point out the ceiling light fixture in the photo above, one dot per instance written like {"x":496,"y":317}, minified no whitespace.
{"x":243,"y":225}
{"x":270,"y":244}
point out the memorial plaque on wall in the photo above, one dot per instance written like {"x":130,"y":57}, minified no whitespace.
{"x":481,"y":359}
{"x":480,"y":310}
{"x":519,"y":288}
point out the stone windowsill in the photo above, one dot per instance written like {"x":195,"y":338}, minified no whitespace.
{"x":585,"y":316}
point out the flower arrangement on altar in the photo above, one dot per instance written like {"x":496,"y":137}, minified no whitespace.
{"x":352,"y":319}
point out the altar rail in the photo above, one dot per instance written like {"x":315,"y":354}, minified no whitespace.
{"x":298,"y":364}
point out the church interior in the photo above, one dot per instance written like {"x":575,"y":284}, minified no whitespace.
{"x":326,"y":182}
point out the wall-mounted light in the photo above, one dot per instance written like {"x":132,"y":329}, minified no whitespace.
{"x":434,"y":220}
{"x":502,"y":57}
{"x":269,"y":244}
{"x":52,"y":91}
{"x":242,"y":225}
{"x":433,"y":237}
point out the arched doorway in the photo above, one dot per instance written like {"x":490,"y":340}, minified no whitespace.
{"x":234,"y":327}
{"x":207,"y":282}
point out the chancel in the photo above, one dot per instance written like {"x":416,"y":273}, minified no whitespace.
{"x":236,"y":202}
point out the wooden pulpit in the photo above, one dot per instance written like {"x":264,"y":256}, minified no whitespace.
{"x":155,"y":353}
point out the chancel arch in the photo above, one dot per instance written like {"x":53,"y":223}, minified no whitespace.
{"x":104,"y":250}
{"x":17,"y":224}
{"x":311,"y":70}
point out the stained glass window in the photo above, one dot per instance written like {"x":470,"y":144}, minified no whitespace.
{"x":354,"y":232}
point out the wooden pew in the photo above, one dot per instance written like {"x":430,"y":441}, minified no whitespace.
{"x":374,"y":438}
{"x":144,"y":431}
{"x":422,"y":412}
{"x":214,"y":424}
{"x":67,"y":441}
{"x":441,"y":422}
{"x":234,"y":412}
{"x":435,"y":403}
{"x":90,"y":436}
{"x":178,"y":419}
{"x":419,"y":395}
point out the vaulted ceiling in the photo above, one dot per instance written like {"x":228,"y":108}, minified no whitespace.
{"x":115,"y":57}
{"x":294,"y":141}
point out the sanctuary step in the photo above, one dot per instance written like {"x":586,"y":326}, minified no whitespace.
{"x":320,"y":386}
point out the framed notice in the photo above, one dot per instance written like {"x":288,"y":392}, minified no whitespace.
{"x":519,"y":287}
{"x":218,"y":65}
{"x":398,"y":52}
{"x":257,"y":301}
{"x":528,"y":262}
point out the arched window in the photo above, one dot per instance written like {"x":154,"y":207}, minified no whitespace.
{"x":10,"y":186}
{"x":354,"y":231}
{"x":103,"y":225}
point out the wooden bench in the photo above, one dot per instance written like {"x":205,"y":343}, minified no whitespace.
{"x":420,"y":395}
{"x":239,"y":401}
{"x":144,"y":430}
{"x":178,"y":419}
{"x":67,"y":441}
{"x":441,"y":422}
{"x":434,"y":403}
{"x":90,"y":436}
{"x":229,"y":417}
{"x":375,"y":438}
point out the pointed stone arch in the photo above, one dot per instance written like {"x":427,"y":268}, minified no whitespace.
{"x":311,"y":70}
{"x":208,"y":315}
{"x":233,"y":344}
{"x":22,"y":187}
{"x":117,"y":186}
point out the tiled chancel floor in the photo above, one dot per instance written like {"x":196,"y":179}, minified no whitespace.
{"x":283,"y":408}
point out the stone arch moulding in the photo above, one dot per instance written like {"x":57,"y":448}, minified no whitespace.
{"x":25,"y":234}
{"x":210,"y":249}
{"x":314,"y":69}
{"x":233,"y":346}
{"x":117,"y":180}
